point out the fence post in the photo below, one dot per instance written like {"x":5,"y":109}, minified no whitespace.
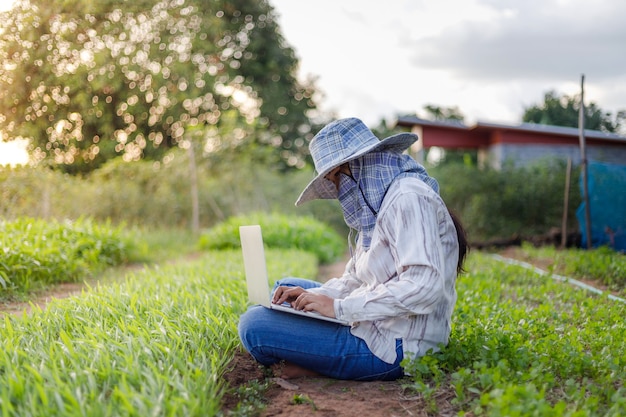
{"x":583,"y":161}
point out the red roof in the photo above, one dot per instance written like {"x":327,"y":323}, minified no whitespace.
{"x":455,"y":134}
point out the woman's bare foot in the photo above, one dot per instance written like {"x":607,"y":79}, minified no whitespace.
{"x":287,"y":370}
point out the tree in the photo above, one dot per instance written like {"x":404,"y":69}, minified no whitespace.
{"x":89,"y":81}
{"x":564,"y":111}
{"x":384,"y":130}
{"x":443,"y":113}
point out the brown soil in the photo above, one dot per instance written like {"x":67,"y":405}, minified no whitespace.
{"x":42,"y":298}
{"x":306,"y":396}
{"x":315,"y":396}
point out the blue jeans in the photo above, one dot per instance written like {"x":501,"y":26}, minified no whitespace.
{"x":327,"y":348}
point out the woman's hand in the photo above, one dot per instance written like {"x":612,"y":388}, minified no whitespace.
{"x":300,"y":299}
{"x":285,"y":294}
{"x":320,"y":303}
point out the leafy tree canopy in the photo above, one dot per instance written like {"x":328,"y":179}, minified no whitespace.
{"x":443,"y":113}
{"x":88,"y":80}
{"x":564,"y":111}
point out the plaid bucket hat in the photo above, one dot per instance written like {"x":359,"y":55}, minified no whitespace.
{"x":342,"y":141}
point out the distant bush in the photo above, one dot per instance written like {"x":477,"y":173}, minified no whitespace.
{"x":279,"y":231}
{"x":157,"y":194}
{"x":34,"y":252}
{"x":523,"y":201}
{"x":40,"y":192}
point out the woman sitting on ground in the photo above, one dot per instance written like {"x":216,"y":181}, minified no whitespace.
{"x":398,"y":288}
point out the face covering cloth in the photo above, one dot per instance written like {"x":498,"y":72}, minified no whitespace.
{"x":362,"y":195}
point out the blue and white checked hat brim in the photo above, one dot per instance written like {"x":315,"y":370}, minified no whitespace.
{"x":340,"y":142}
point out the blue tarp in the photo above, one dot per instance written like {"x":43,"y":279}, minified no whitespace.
{"x":607,"y":203}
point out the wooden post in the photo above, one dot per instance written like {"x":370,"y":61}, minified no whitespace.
{"x":193,"y":183}
{"x":583,"y":161}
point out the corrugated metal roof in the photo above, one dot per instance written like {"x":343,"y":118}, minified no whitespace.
{"x":524,"y":127}
{"x":554,"y":130}
{"x":413,"y":120}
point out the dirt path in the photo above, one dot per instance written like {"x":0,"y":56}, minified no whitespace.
{"x":328,"y":397}
{"x":41,"y":298}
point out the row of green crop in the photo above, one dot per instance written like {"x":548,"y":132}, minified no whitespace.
{"x":34,"y":252}
{"x":526,"y":345}
{"x":279,"y":231}
{"x":602,"y":265}
{"x":156,"y":344}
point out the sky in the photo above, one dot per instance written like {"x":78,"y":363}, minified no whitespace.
{"x":492,"y":59}
{"x":14,"y":152}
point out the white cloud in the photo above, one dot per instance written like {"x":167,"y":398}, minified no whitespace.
{"x":544,"y":40}
{"x":5,"y":4}
{"x":491,"y":58}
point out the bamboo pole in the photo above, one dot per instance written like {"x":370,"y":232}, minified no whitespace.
{"x":583,"y":161}
{"x":193,"y":188}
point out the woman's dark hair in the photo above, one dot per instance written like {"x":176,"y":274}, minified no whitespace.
{"x":462,"y":239}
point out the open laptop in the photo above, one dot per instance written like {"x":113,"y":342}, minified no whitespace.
{"x":256,"y":275}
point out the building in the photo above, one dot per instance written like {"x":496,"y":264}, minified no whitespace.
{"x":521,"y":144}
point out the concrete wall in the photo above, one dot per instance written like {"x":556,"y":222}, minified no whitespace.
{"x":525,"y":154}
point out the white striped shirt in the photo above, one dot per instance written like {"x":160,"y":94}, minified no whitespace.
{"x":403,"y":287}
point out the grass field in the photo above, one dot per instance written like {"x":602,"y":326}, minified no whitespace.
{"x":155,"y":344}
{"x":158,"y":341}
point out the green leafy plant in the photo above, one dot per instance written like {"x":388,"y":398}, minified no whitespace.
{"x":34,"y":252}
{"x":279,"y":231}
{"x":523,"y":344}
{"x":603,"y":264}
{"x":251,"y":399}
{"x":303,"y":399}
{"x":515,"y":200}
